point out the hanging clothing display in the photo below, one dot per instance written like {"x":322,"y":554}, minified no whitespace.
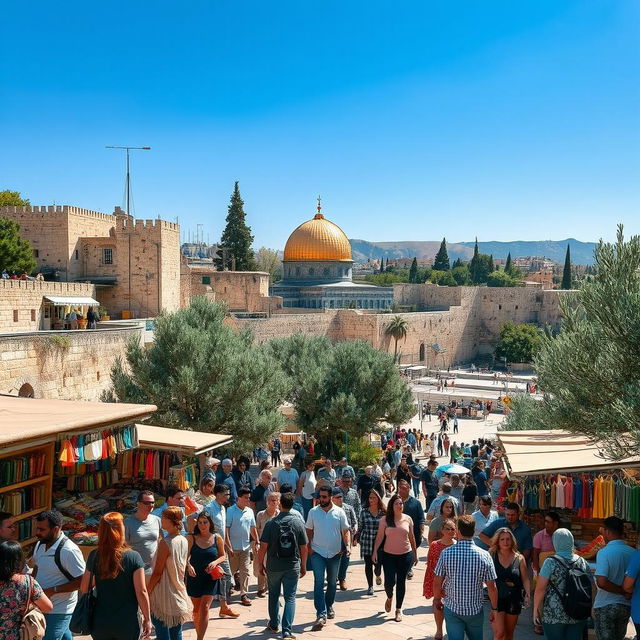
{"x":92,"y":447}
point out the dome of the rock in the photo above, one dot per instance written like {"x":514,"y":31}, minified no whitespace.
{"x":316,"y":240}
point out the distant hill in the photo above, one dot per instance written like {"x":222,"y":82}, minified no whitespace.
{"x":581,"y":252}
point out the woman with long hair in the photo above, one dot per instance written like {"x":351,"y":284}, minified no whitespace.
{"x":368,"y":525}
{"x":400,"y":553}
{"x":480,"y":478}
{"x":17,"y":590}
{"x":205,"y":552}
{"x":447,"y":511}
{"x":204,"y":495}
{"x":241,"y":475}
{"x":272,"y":510}
{"x":433,"y":555}
{"x":512,"y":582}
{"x":170,"y":605}
{"x":118,"y":576}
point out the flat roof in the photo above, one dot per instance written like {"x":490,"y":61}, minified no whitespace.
{"x":26,"y":419}
{"x":193,"y":442}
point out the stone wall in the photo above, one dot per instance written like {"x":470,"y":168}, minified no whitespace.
{"x":72,"y":365}
{"x":22,"y":305}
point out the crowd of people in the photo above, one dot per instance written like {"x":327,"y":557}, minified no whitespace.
{"x":160,"y":568}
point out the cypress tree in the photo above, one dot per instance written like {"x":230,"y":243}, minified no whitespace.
{"x":457,"y":263}
{"x":382,"y":264}
{"x":474,"y":265}
{"x":234,"y":249}
{"x":441,"y":262}
{"x":413,"y":271}
{"x":566,"y":273}
{"x":507,"y":266}
{"x":491,"y":265}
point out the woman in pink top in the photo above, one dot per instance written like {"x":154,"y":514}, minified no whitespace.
{"x":398,"y":552}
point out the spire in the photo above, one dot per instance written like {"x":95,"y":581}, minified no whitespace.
{"x":319,"y":214}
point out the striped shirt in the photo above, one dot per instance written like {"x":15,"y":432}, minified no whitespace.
{"x":465,"y":568}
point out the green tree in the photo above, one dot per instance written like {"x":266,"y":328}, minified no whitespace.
{"x":343,"y":388}
{"x":413,"y":271}
{"x":457,"y":263}
{"x":204,"y":376}
{"x":16,"y":254}
{"x":441,"y":262}
{"x":460,"y":273}
{"x":269,"y":261}
{"x":480,"y":267}
{"x":12,"y":199}
{"x":590,"y":371}
{"x":502,"y":279}
{"x":566,"y":272}
{"x":387,"y":279}
{"x":397,"y":329}
{"x":507,"y":265}
{"x":234,"y":248}
{"x":443,"y":278}
{"x":381,"y":265}
{"x":518,"y":342}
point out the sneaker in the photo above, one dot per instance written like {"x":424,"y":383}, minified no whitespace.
{"x":409,"y":575}
{"x":331,"y":614}
{"x":370,"y":591}
{"x":378,"y":580}
{"x":319,"y":624}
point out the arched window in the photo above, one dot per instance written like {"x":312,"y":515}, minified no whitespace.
{"x":26,"y":391}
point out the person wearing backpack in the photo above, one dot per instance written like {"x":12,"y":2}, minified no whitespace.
{"x":284,"y":544}
{"x":59,"y":566}
{"x":564,"y":593}
{"x":611,"y":609}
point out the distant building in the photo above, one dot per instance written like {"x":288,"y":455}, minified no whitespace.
{"x":531,"y":264}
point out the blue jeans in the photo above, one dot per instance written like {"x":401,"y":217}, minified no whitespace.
{"x":564,"y":631}
{"x":58,"y":626}
{"x":288,"y":582}
{"x":343,"y":566}
{"x":457,"y":625}
{"x":307,"y":504}
{"x":416,"y":486}
{"x":321,"y":566}
{"x":166,"y":633}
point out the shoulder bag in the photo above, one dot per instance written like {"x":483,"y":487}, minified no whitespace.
{"x":33,"y":623}
{"x":82,"y":617}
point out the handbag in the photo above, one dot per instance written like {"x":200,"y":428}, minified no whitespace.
{"x":33,"y":623}
{"x":82,"y":617}
{"x":216,"y":573}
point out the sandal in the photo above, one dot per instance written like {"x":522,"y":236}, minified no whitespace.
{"x":387,"y":605}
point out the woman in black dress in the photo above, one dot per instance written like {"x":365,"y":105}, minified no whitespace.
{"x":206,"y":551}
{"x":514,"y":590}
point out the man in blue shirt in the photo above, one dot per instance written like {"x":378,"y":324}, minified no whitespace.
{"x":611,"y":609}
{"x":520,"y":530}
{"x":287,"y":475}
{"x":344,"y":468}
{"x":226,"y":477}
{"x":174,"y":498}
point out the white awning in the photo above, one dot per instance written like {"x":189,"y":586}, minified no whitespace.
{"x":64,"y":300}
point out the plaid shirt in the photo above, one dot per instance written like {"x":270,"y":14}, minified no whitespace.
{"x":368,"y":530}
{"x":465,"y":569}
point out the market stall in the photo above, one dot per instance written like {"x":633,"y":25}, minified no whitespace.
{"x":57,"y":308}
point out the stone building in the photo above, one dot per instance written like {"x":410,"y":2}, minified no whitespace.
{"x":318,"y":271}
{"x":135,"y":264}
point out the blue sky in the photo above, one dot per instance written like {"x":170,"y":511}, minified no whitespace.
{"x":413,"y":120}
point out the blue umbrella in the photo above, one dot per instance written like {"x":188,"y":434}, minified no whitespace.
{"x":452,"y":468}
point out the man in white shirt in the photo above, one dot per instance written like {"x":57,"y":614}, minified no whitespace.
{"x":58,"y":567}
{"x":327,"y":530}
{"x":483,"y":516}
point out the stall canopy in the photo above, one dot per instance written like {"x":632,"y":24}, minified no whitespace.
{"x":555,"y":451}
{"x":60,"y":301}
{"x":27,"y":419}
{"x":189,"y":442}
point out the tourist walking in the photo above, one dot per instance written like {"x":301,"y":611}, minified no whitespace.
{"x":457,"y":486}
{"x":287,"y":475}
{"x":368,"y":525}
{"x":440,"y":445}
{"x":204,"y":495}
{"x":447,"y":512}
{"x":611,"y":609}
{"x":117,"y":572}
{"x":241,"y":474}
{"x":631,"y":587}
{"x":480,"y":478}
{"x":174,"y":497}
{"x":205,"y":553}
{"x":338,"y":499}
{"x":519,"y":529}
{"x":272,"y":510}
{"x":327,"y":472}
{"x":349,"y":494}
{"x":548,"y":609}
{"x":276,"y":446}
{"x":483,"y":517}
{"x":307,"y":487}
{"x":412,"y":508}
{"x":327,"y":529}
{"x":143,"y":531}
{"x":261,"y":491}
{"x":241,"y":536}
{"x":433,"y":555}
{"x":170,"y":604}
{"x":397,"y":543}
{"x":542,"y":541}
{"x":225,"y":476}
{"x":455,"y":421}
{"x":17,"y":591}
{"x":284,"y":545}
{"x":434,"y":507}
{"x":512,"y":582}
{"x":469,"y":494}
{"x":366,"y":483}
{"x":462,"y":571}
{"x":58,"y":567}
{"x":446,"y":443}
{"x":429,"y":483}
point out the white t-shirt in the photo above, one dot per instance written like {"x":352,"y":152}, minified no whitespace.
{"x":309,"y":484}
{"x":49,"y":575}
{"x":327,"y":527}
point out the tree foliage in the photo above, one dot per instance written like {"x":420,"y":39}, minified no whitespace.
{"x":16,"y":254}
{"x":345,"y":387}
{"x":507,"y":264}
{"x":203,"y":376}
{"x":480,"y":267}
{"x":397,"y":329}
{"x":413,"y":271}
{"x":443,"y":278}
{"x":566,"y":272}
{"x":590,"y":371}
{"x":460,"y":273}
{"x":234,"y":248}
{"x":518,"y":342}
{"x":503,"y":279}
{"x":269,"y":261}
{"x":13,"y":199}
{"x":441,"y":262}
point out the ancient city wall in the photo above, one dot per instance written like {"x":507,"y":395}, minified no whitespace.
{"x":72,"y":365}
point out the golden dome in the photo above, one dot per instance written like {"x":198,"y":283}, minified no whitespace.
{"x":318,"y":239}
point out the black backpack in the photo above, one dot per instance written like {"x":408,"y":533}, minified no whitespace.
{"x":287,"y":543}
{"x":576,"y":593}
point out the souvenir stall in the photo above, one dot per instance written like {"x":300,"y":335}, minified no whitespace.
{"x":564,"y":472}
